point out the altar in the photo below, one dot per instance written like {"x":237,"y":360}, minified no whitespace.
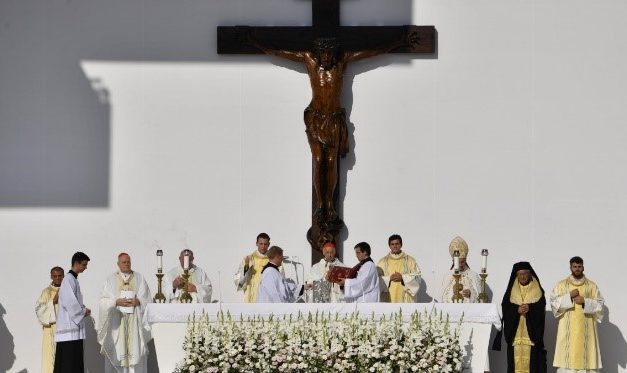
{"x":169,"y":323}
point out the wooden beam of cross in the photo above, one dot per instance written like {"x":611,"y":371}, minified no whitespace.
{"x":325,"y":48}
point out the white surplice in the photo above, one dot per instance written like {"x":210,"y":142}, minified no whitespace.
{"x":197,"y":277}
{"x":124,"y":336}
{"x":275,"y":288}
{"x":365,"y":287}
{"x":70,"y":311}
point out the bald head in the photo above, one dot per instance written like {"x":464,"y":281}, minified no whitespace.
{"x":124,"y":263}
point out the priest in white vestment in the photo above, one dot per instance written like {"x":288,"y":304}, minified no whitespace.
{"x":199,"y":285}
{"x":577,"y":303}
{"x":318,"y":275}
{"x":46,"y":310}
{"x":469,"y":282}
{"x":363,"y":287}
{"x":400,"y":274}
{"x":124,"y":333}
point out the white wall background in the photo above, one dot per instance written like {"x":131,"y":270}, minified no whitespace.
{"x":122,"y":130}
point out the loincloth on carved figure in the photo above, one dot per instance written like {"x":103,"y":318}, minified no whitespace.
{"x":328,"y":129}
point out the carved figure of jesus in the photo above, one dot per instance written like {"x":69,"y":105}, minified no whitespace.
{"x":325,"y":118}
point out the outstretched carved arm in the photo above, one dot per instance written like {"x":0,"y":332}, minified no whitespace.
{"x":250,"y":39}
{"x":408,"y":39}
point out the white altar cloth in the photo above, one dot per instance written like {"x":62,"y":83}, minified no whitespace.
{"x":169,"y":320}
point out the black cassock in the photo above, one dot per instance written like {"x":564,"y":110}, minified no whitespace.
{"x":535,"y":324}
{"x":69,"y":357}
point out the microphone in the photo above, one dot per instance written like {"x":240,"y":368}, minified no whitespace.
{"x":289,"y":259}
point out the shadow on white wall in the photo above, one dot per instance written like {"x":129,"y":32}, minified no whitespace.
{"x":7,"y":346}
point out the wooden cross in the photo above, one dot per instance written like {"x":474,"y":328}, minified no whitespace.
{"x":324,"y":113}
{"x":325,"y":23}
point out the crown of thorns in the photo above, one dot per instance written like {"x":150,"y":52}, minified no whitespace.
{"x":326,"y":43}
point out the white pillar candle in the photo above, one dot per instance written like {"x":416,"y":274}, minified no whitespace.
{"x":185,"y":261}
{"x":159,"y":261}
{"x":456,"y":263}
{"x":484,"y":262}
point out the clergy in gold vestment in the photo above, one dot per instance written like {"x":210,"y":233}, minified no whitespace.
{"x":248,"y":274}
{"x":523,"y":321}
{"x":46,"y":310}
{"x":578,"y":305}
{"x":400,"y":274}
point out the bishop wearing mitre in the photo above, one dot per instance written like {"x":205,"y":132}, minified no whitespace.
{"x":469,"y":283}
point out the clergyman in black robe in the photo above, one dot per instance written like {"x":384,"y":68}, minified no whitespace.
{"x":523,"y":321}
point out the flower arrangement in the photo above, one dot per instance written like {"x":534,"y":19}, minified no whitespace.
{"x":322,"y":343}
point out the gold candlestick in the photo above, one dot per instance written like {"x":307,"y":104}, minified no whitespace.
{"x":185,"y":296}
{"x":457,"y":296}
{"x":483,"y":296}
{"x":159,"y":297}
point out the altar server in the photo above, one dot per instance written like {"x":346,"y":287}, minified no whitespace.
{"x":578,"y":305}
{"x":46,"y":310}
{"x":273,"y":286}
{"x":124,"y":331}
{"x":364,"y":287}
{"x":71,"y":314}
{"x":332,"y":292}
{"x":469,"y":284}
{"x":400,"y":274}
{"x":198,"y":285}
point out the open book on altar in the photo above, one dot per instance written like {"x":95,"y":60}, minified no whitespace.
{"x":336,"y":274}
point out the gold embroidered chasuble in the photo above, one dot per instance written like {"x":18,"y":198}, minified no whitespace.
{"x":46,"y":314}
{"x":523,"y":294}
{"x":577,"y":346}
{"x":249,"y":281}
{"x":398,"y":292}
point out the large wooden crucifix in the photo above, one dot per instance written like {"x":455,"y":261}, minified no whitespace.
{"x":325,"y":48}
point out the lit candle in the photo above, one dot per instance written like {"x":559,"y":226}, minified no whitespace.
{"x":484,"y":260}
{"x":159,"y":261}
{"x":456,"y":261}
{"x":186,"y":261}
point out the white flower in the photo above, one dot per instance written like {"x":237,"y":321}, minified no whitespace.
{"x":324,"y":343}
